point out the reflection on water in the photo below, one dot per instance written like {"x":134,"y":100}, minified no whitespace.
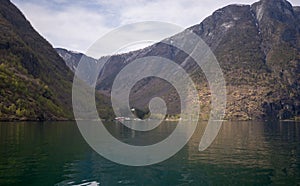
{"x":244,"y":152}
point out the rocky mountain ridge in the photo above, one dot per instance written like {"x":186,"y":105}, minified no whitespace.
{"x":258,"y":48}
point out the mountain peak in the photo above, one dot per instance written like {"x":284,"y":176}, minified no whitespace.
{"x":280,"y":10}
{"x":275,"y":2}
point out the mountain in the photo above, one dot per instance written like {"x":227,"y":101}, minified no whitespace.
{"x":35,"y":82}
{"x":71,"y":58}
{"x":258,"y":48}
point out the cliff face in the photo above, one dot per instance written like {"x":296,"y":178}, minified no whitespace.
{"x":35,"y":82}
{"x":258,"y":48}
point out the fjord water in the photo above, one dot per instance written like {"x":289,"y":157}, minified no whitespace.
{"x":54,"y":153}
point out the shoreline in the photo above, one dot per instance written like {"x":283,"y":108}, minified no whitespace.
{"x":7,"y":120}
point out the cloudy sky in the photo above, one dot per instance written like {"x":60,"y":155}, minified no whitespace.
{"x":77,"y":24}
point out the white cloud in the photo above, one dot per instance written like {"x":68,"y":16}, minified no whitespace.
{"x":74,"y":28}
{"x":76,"y":24}
{"x":131,"y":37}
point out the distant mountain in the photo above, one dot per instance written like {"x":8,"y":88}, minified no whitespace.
{"x":71,"y":58}
{"x":258,"y":48}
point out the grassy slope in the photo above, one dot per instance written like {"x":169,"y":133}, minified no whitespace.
{"x":35,"y":82}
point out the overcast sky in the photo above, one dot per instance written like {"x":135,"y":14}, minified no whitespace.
{"x":77,"y":24}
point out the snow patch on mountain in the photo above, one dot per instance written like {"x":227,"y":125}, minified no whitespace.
{"x":228,"y":25}
{"x":259,"y":12}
